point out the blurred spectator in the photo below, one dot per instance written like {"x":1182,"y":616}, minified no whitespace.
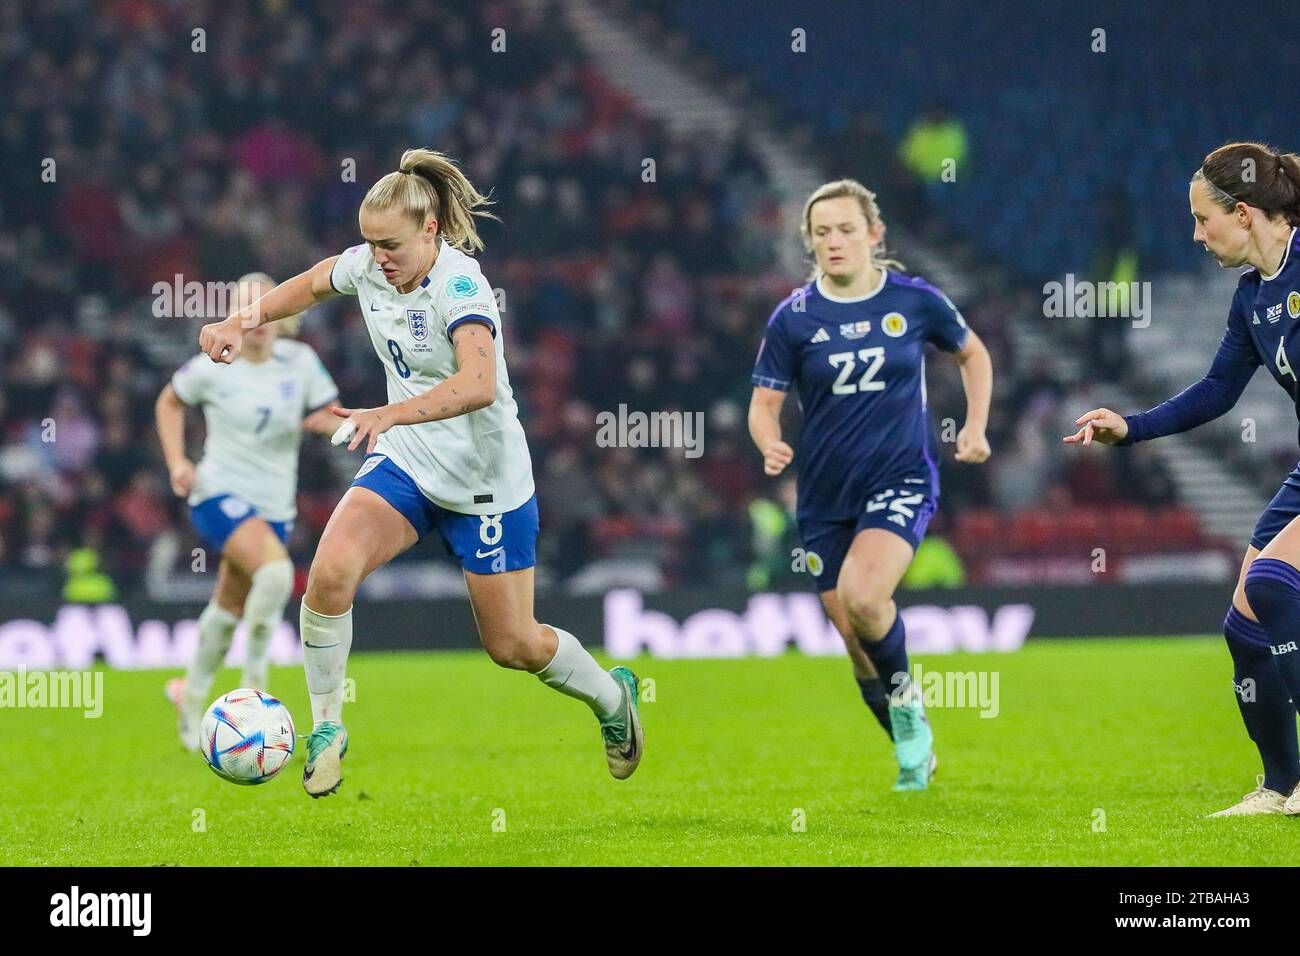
{"x":935,"y":146}
{"x":86,"y":584}
{"x":1115,"y":263}
{"x":936,"y":565}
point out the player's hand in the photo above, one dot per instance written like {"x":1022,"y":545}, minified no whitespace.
{"x":1100,"y":425}
{"x":221,"y":341}
{"x":182,"y":479}
{"x":776,"y":456}
{"x":973,"y":445}
{"x":367,"y":423}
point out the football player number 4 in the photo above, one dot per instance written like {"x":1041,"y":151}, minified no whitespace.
{"x":874,"y":357}
{"x":1283,"y":365}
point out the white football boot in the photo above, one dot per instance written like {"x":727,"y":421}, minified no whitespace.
{"x":1260,"y":802}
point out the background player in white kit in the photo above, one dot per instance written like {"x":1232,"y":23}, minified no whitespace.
{"x":447,"y":453}
{"x":241,"y":494}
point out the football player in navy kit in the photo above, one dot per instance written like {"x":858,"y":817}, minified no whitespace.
{"x":852,"y":343}
{"x":1245,"y":199}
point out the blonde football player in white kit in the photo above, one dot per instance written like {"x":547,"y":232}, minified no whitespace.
{"x":241,"y":494}
{"x":447,"y":453}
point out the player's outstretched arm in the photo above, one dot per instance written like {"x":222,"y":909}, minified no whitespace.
{"x":1201,"y":402}
{"x":221,"y":341}
{"x":169,"y":417}
{"x":977,"y":381}
{"x":765,"y":429}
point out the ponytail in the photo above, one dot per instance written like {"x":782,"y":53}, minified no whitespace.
{"x":429,"y":185}
{"x":1254,"y":174}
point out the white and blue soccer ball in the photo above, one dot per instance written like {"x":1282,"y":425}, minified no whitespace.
{"x":247,"y":736}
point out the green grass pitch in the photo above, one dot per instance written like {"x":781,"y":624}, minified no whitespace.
{"x":456,"y":762}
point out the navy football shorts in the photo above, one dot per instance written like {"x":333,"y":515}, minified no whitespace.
{"x":904,"y":507}
{"x":1284,"y":506}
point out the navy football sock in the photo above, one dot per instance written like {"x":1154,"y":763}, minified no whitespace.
{"x":1273,"y":591}
{"x":889,"y":656}
{"x":876,"y":698}
{"x":1262,"y":698}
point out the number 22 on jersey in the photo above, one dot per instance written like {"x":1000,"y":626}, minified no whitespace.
{"x":874,"y":357}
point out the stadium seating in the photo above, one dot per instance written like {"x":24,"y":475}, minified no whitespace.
{"x":585,"y":255}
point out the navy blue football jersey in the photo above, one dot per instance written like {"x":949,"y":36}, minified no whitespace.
{"x":858,"y":367}
{"x":1262,"y":327}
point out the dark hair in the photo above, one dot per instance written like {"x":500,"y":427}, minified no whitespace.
{"x":1256,"y":175}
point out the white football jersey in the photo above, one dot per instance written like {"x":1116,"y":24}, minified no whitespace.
{"x":254,"y":413}
{"x":476,"y":463}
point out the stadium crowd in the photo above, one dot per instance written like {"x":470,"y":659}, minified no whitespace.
{"x":138,"y":151}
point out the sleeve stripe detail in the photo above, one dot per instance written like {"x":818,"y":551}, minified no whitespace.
{"x":764,"y":382}
{"x":332,"y":268}
{"x":492,"y":326}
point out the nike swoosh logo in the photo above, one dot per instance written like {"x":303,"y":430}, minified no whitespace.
{"x":320,"y":646}
{"x":373,"y":307}
{"x":631,"y":734}
{"x":488,"y":554}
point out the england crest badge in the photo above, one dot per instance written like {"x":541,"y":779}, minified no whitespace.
{"x":418,"y":324}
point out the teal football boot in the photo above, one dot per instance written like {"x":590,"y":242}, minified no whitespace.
{"x":624,"y":739}
{"x":326,"y":748}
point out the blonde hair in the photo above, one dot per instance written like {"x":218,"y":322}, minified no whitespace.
{"x":429,"y":185}
{"x":290,"y":324}
{"x":851,"y":189}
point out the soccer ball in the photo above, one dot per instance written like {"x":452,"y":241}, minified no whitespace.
{"x":246,"y":736}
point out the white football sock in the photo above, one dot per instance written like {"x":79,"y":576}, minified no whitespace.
{"x":216,"y":632}
{"x":326,"y":640}
{"x":575,"y":673}
{"x":263,"y":611}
